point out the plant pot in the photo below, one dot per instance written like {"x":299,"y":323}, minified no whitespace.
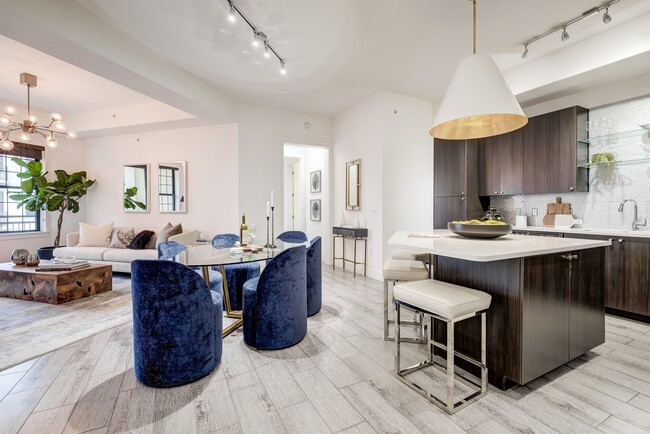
{"x":46,"y":252}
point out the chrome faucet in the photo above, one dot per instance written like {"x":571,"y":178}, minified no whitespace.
{"x":636,"y":223}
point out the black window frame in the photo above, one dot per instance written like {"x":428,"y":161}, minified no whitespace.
{"x":26,"y":152}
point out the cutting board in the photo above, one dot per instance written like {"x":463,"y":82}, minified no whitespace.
{"x":558,"y":207}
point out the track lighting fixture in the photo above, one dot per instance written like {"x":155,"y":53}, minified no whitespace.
{"x":607,"y":18}
{"x":565,"y":34}
{"x":259,"y":37}
{"x":231,"y":14}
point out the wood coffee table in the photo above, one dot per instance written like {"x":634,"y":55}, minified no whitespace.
{"x":54,"y":287}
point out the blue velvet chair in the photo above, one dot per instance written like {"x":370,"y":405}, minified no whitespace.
{"x":236,"y":274}
{"x":177,"y":324}
{"x":293,"y":237}
{"x":275,"y":304}
{"x":170,"y":249}
{"x":314,"y":277}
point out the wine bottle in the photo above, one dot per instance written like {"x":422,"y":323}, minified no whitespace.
{"x":243,"y":231}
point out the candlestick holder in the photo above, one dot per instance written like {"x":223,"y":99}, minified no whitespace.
{"x":272,"y":246}
{"x":267,"y":245}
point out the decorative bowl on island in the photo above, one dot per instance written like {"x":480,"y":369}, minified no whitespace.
{"x":478,"y":229}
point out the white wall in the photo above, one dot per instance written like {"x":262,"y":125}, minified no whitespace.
{"x":389,"y":133}
{"x":70,"y":156}
{"x":262,"y":135}
{"x":212,"y":178}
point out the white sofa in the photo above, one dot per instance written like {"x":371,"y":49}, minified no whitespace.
{"x":120,"y":259}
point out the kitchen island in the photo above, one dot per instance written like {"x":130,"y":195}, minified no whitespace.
{"x":547,"y":298}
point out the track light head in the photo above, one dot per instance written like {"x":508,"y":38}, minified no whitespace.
{"x":267,"y":51}
{"x":283,"y":69}
{"x":524,"y":55}
{"x":607,"y":18}
{"x":231,"y":13}
{"x":565,"y":35}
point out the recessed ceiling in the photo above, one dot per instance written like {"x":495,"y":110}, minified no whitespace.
{"x":338,"y":52}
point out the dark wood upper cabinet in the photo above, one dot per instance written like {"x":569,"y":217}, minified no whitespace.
{"x":551,"y":162}
{"x":500,"y":167}
{"x":455,"y":181}
{"x":542,"y":157}
{"x":450,"y":167}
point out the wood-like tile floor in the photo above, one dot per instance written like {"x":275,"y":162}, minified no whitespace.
{"x":338,"y":379}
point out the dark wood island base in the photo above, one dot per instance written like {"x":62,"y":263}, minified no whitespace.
{"x":546,"y":310}
{"x":54,"y":287}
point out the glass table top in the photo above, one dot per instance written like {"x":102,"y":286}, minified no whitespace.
{"x":197,"y":256}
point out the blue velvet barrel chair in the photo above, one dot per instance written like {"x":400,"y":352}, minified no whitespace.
{"x":236,"y":274}
{"x":293,"y":237}
{"x":275,"y":304}
{"x":170,"y":249}
{"x":314,"y":277}
{"x":177,"y":324}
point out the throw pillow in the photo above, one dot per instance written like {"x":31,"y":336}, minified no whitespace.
{"x":95,"y":236}
{"x":141,"y":241}
{"x":122,"y":238}
{"x":167,"y":232}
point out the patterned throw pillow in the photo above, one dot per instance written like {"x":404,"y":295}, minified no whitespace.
{"x":122,"y":238}
{"x":141,"y":241}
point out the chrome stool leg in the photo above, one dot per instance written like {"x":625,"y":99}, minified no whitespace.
{"x":449,"y":404}
{"x":420,"y":322}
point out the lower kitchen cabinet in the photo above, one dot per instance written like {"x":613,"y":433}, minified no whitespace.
{"x":546,"y":310}
{"x":626,"y":274}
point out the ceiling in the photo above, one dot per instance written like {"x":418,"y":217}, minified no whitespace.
{"x":338,"y":52}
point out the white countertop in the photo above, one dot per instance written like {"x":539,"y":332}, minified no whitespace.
{"x":510,"y":246}
{"x":587,"y":231}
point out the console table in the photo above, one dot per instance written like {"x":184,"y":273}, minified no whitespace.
{"x":355,"y":234}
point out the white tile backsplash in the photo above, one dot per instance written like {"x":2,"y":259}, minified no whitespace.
{"x":608,"y":185}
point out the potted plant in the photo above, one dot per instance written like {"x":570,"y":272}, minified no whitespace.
{"x":60,"y":195}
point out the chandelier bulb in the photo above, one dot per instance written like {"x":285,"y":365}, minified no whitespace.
{"x":52,"y":143}
{"x":10,"y":110}
{"x":25,"y":137}
{"x":59,"y":126}
{"x":32,"y":119}
{"x":56,"y":117}
{"x":6,"y":120}
{"x":71,"y":134}
{"x":6,"y":145}
{"x":607,"y":18}
{"x":565,"y":35}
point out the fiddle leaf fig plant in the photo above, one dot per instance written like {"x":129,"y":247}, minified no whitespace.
{"x":60,"y":195}
{"x":129,"y":202}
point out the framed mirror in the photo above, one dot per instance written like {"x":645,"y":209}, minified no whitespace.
{"x":135,"y":191}
{"x":172,"y":186}
{"x":352,"y":185}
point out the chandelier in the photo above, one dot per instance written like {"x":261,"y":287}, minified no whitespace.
{"x":29,"y":126}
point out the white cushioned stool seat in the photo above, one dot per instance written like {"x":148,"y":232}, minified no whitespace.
{"x":407,"y":255}
{"x":441,"y":298}
{"x":395,"y":269}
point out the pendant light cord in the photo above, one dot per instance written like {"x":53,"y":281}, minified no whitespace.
{"x":474,"y":28}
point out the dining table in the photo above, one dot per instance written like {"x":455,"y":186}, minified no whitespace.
{"x":206,"y":256}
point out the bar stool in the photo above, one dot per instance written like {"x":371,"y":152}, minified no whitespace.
{"x":398,"y":271}
{"x":451,"y":304}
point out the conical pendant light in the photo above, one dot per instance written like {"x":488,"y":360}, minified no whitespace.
{"x":478,"y":102}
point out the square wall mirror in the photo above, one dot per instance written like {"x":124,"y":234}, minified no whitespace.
{"x":172,"y":185}
{"x":135,"y":190}
{"x":352,"y":185}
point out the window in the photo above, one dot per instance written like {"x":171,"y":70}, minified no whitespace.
{"x":12,"y":218}
{"x":167,"y":188}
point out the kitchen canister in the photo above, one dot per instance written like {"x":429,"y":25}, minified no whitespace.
{"x":521,"y":221}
